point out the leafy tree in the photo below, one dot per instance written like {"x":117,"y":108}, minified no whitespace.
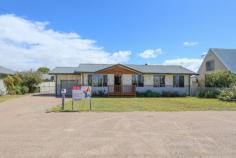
{"x":31,"y":80}
{"x":13,"y":84}
{"x":43,"y":70}
{"x":220,"y":79}
{"x":23,"y":82}
{"x":9,"y":82}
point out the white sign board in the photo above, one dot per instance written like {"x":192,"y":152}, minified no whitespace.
{"x":81,"y":92}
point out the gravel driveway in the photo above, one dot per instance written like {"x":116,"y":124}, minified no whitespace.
{"x":26,"y":131}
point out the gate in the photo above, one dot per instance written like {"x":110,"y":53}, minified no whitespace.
{"x":47,"y":88}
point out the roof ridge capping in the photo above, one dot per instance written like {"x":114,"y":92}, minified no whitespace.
{"x":66,"y":67}
{"x":97,"y":64}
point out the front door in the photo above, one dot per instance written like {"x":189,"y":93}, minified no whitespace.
{"x":117,"y":84}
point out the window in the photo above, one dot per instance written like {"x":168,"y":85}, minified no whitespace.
{"x":159,"y":80}
{"x":137,"y":80}
{"x":90,"y":80}
{"x":210,"y":65}
{"x":104,"y":80}
{"x":99,"y":80}
{"x":178,"y":81}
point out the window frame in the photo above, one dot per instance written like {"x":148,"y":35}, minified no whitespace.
{"x":177,"y":81}
{"x":100,"y":80}
{"x":90,"y":80}
{"x":138,"y":80}
{"x":160,"y":80}
{"x":210,"y":65}
{"x":105,"y":80}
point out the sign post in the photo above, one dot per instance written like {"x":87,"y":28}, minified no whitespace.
{"x":81,"y":92}
{"x":90,"y":104}
{"x":63,"y":93}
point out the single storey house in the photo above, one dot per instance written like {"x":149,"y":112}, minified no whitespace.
{"x":217,"y":59}
{"x":123,"y":79}
{"x":3,"y":73}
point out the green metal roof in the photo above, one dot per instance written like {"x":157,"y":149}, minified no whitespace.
{"x":6,"y":71}
{"x":167,"y":69}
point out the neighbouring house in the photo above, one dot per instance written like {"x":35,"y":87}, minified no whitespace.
{"x":217,"y":59}
{"x":3,"y":73}
{"x":127,"y":79}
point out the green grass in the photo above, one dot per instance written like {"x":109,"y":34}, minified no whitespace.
{"x":7,"y":97}
{"x":149,"y":104}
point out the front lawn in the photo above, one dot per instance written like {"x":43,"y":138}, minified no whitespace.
{"x":7,"y":97}
{"x":149,"y":104}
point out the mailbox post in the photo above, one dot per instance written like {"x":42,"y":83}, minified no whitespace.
{"x":63,"y":93}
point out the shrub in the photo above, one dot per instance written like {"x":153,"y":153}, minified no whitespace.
{"x":31,"y":80}
{"x":24,"y":89}
{"x":220,"y":79}
{"x":148,"y":93}
{"x":140,"y":94}
{"x":228,"y":94}
{"x":172,"y":94}
{"x":201,"y":94}
{"x":22,"y":83}
{"x":99,"y":93}
{"x":169,"y":94}
{"x":208,"y":94}
{"x":18,"y":90}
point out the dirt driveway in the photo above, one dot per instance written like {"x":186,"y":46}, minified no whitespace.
{"x":26,"y":131}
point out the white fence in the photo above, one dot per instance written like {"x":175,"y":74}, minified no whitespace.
{"x":47,"y":88}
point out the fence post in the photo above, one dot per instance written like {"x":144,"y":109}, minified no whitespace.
{"x":90,"y":104}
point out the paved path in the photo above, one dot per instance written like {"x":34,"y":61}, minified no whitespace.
{"x":26,"y":131}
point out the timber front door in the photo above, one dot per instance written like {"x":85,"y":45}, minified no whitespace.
{"x":117,"y":84}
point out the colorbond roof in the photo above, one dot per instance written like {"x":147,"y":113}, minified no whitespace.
{"x":227,"y":57}
{"x":6,"y":71}
{"x":64,"y":70}
{"x":172,"y":69}
{"x":167,"y":69}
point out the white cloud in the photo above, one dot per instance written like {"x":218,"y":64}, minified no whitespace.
{"x":189,"y":63}
{"x":151,"y":53}
{"x":190,"y":44}
{"x":26,"y":44}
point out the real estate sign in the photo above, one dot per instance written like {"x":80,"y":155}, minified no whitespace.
{"x":81,"y":92}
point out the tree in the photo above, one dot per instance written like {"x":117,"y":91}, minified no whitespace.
{"x":13,"y":84}
{"x":220,"y":79}
{"x":43,"y":70}
{"x":23,"y":82}
{"x":31,"y":80}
